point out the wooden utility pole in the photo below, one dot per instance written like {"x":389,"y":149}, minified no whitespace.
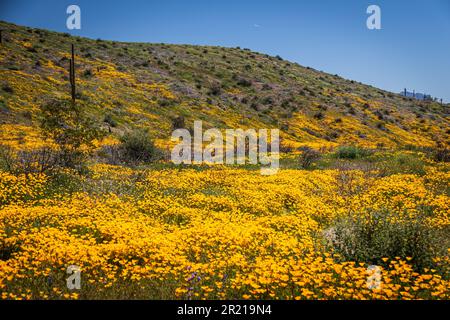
{"x":1,"y":36}
{"x":72,"y":75}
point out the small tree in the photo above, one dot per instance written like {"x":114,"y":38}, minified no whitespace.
{"x":72,"y":130}
{"x":137,"y":146}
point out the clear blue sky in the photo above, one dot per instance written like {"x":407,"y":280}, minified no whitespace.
{"x":412,"y":50}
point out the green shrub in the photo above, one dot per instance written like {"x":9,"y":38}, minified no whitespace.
{"x":441,"y":153}
{"x":351,"y":152}
{"x":165,"y":102}
{"x":138,"y":147}
{"x":319,"y":115}
{"x":7,"y":88}
{"x":87,"y":73}
{"x":178,"y":123}
{"x":244,"y":82}
{"x":71,"y":129}
{"x":110,"y":120}
{"x":39,"y":160}
{"x":64,"y":182}
{"x":4,"y":107}
{"x":215,"y":90}
{"x":7,"y":158}
{"x":370,"y":237}
{"x":409,"y":163}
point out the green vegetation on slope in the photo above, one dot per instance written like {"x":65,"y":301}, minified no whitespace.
{"x":150,"y":85}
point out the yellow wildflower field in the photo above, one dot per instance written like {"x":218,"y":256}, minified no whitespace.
{"x":208,"y":233}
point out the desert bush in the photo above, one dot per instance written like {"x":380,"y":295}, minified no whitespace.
{"x":64,"y":182}
{"x":254,"y":106}
{"x":71,"y":129}
{"x":4,"y":107}
{"x":41,"y":160}
{"x":178,"y":123}
{"x":244,"y":82}
{"x":6,"y":158}
{"x":351,"y":152}
{"x":13,"y":67}
{"x":286,"y":148}
{"x":331,"y":135}
{"x":441,"y":153}
{"x":319,"y":115}
{"x":67,"y":125}
{"x":215,"y":90}
{"x":352,"y":111}
{"x":32,"y":49}
{"x":371,"y":237}
{"x":268,"y":101}
{"x":137,"y":147}
{"x":74,"y":159}
{"x":27,"y":114}
{"x":381,"y":126}
{"x":165,"y":102}
{"x":110,"y":120}
{"x":87,"y":73}
{"x":308,"y":157}
{"x":409,"y":163}
{"x":111,"y":154}
{"x":7,"y":88}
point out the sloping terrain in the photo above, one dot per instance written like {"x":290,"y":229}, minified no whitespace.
{"x":148,"y":85}
{"x":153,"y":230}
